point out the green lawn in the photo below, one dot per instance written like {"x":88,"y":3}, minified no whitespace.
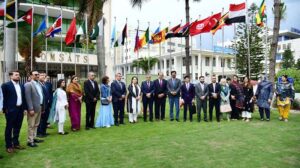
{"x":166,"y":145}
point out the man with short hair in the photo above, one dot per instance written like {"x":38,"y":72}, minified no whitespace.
{"x":173,"y":86}
{"x":92,"y":95}
{"x":201,"y":92}
{"x":214,"y":90}
{"x":14,"y":105}
{"x":188,"y":96}
{"x":118,"y":91}
{"x":147,"y":89}
{"x":160,"y":96}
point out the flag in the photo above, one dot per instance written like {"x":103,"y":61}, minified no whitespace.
{"x":182,"y":31}
{"x":160,"y":36}
{"x":144,"y":40}
{"x":42,"y":27}
{"x":81,"y":31}
{"x":9,"y":8}
{"x":205,"y":25}
{"x":237,"y":13}
{"x":261,"y":14}
{"x":71,"y":33}
{"x":97,"y":30}
{"x":220,"y":23}
{"x":155,"y":32}
{"x":172,"y":31}
{"x":113,"y":36}
{"x":55,"y":28}
{"x":136,"y":45}
{"x":2,"y":8}
{"x":121,"y":39}
{"x":23,"y":20}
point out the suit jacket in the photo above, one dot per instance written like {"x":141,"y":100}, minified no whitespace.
{"x":160,"y":89}
{"x":199,"y":92}
{"x":174,"y":88}
{"x":46,"y":95}
{"x":117,"y":91}
{"x":91,"y":92}
{"x":187,"y":94}
{"x":146,"y":89}
{"x":33,"y":98}
{"x":10,"y":96}
{"x":49,"y":88}
{"x":217,"y":91}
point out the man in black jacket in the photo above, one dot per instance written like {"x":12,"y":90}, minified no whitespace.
{"x":160,"y":95}
{"x":92,"y":94}
{"x":214,"y":90}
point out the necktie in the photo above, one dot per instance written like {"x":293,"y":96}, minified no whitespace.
{"x":187,"y":86}
{"x":214,"y":85}
{"x":160,"y":83}
{"x":148,"y":83}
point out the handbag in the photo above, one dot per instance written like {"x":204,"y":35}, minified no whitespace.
{"x":104,"y":102}
{"x":193,"y":109}
{"x":225,"y":108}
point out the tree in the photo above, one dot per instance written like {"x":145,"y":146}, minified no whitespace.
{"x":24,"y":43}
{"x":146,"y":64}
{"x":297,"y":65}
{"x":187,"y":39}
{"x":278,"y":6}
{"x":288,"y":59}
{"x":256,"y":46}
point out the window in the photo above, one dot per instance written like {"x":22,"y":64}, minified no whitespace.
{"x":207,"y":61}
{"x":214,"y":62}
{"x":289,"y":45}
{"x":168,"y":63}
{"x":183,"y":61}
{"x":196,"y":60}
{"x":284,"y":47}
{"x":278,"y":47}
{"x":228,"y":63}
{"x":222,"y":62}
{"x":158,"y":65}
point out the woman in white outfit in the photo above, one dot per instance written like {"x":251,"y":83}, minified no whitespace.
{"x":133,"y":100}
{"x":61,"y":106}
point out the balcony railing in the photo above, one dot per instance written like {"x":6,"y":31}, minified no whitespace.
{"x":70,"y":49}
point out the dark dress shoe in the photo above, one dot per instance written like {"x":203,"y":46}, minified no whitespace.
{"x":93,"y":127}
{"x":38,"y":141}
{"x":41,"y":135}
{"x":122,"y":123}
{"x":87,"y":128}
{"x":172,"y":120}
{"x":19,"y":147}
{"x":63,"y":133}
{"x":32,"y":144}
{"x":117,"y":124}
{"x":177,"y":120}
{"x":10,"y":150}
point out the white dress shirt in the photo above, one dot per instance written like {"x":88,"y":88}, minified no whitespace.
{"x":19,"y":93}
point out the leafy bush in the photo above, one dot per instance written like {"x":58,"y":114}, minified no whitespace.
{"x":291,"y":72}
{"x":296,"y":104}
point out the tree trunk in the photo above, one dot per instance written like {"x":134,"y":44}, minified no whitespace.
{"x":274,"y":40}
{"x":187,"y":39}
{"x":10,"y":52}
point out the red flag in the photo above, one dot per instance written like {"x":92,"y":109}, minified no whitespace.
{"x":205,"y":25}
{"x":27,"y":17}
{"x":70,"y":37}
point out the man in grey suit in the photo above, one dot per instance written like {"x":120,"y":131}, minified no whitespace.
{"x":35,"y":105}
{"x":201,"y":90}
{"x":173,"y":86}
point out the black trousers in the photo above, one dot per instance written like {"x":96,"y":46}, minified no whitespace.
{"x":119,"y":111}
{"x":14,"y":118}
{"x":187,"y":106}
{"x":148,"y":102}
{"x":90,"y":114}
{"x":235,"y":111}
{"x":42,"y":129}
{"x":263,"y":111}
{"x":214,"y":103}
{"x":160,"y":108}
{"x":201,"y":104}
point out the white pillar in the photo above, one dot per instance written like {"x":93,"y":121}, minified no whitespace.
{"x":156,"y":68}
{"x":10,"y":52}
{"x":165,"y":66}
{"x":199,"y":64}
{"x":193,"y":68}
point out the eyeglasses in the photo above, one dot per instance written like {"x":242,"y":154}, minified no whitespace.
{"x":36,"y":74}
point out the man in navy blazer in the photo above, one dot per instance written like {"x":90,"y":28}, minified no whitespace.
{"x":188,"y":96}
{"x":214,"y":90}
{"x":14,"y":105}
{"x":118,"y":91}
{"x":160,"y":96}
{"x":148,"y":95}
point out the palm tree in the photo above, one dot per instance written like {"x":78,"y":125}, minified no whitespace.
{"x":278,"y":13}
{"x":187,"y":39}
{"x":24,"y":43}
{"x":146,"y":64}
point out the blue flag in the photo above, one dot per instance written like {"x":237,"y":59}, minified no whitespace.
{"x":42,"y":27}
{"x":113,"y":36}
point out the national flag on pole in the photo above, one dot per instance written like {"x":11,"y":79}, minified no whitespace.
{"x":237,"y":13}
{"x":155,"y":32}
{"x":136,"y":46}
{"x":113,"y":36}
{"x":172,"y":31}
{"x":81,"y":31}
{"x":42,"y":26}
{"x":55,"y":28}
{"x":182,"y":31}
{"x":97,"y":30}
{"x":205,"y":25}
{"x":261,"y":14}
{"x":2,"y":8}
{"x":220,"y":23}
{"x":160,"y":36}
{"x":144,"y":40}
{"x":23,"y":20}
{"x":122,"y":37}
{"x":71,"y":34}
{"x":8,"y":9}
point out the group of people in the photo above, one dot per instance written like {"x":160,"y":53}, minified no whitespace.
{"x":231,"y":99}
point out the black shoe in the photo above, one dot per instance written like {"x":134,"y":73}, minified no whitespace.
{"x":117,"y":124}
{"x":151,"y":120}
{"x":87,"y":128}
{"x":177,"y":120}
{"x":38,"y":141}
{"x":122,"y":123}
{"x":32,"y":144}
{"x":41,"y":135}
{"x":145,"y":120}
{"x":65,"y":133}
{"x":163,"y":119}
{"x":93,"y":127}
{"x":172,"y":120}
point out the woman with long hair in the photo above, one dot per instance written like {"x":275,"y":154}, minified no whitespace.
{"x":237,"y":98}
{"x":133,"y":100}
{"x":248,"y":103}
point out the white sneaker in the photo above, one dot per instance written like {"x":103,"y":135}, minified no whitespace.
{"x":108,"y":126}
{"x":286,"y":120}
{"x":280,"y":118}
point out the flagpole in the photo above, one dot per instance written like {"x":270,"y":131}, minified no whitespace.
{"x":137,"y":68}
{"x":31,"y":60}
{"x":170,"y":49}
{"x":46,"y":40}
{"x":115,"y":50}
{"x":160,"y":51}
{"x":17,"y":30}
{"x":223,"y":49}
{"x":148,"y":47}
{"x":126,"y":46}
{"x":200,"y":41}
{"x":4,"y":43}
{"x":235,"y":63}
{"x":61,"y":41}
{"x":191,"y":57}
{"x":75,"y":64}
{"x":87,"y":42}
{"x":212,"y":46}
{"x":248,"y":39}
{"x":266,"y":47}
{"x":181,"y":53}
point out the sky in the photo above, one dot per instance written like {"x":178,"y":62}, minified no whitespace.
{"x":172,"y":12}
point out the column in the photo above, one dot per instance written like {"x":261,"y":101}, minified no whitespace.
{"x":199,"y":64}
{"x":193,"y":68}
{"x":165,"y":66}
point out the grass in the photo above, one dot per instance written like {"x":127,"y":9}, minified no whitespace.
{"x":166,"y":145}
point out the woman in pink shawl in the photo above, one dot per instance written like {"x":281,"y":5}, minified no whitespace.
{"x":74,"y":92}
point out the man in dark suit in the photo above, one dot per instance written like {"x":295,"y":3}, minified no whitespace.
{"x":160,"y":95}
{"x":91,"y":95}
{"x":14,"y":105}
{"x":118,"y":91}
{"x":173,"y":86}
{"x":201,"y":92}
{"x":214,"y":90}
{"x":42,"y":129}
{"x":148,"y":97}
{"x":188,"y":96}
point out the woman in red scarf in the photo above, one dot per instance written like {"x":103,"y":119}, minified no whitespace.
{"x":74,"y":92}
{"x":237,"y":98}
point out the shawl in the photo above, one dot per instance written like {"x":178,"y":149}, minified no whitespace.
{"x":239,"y":94}
{"x":74,"y":88}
